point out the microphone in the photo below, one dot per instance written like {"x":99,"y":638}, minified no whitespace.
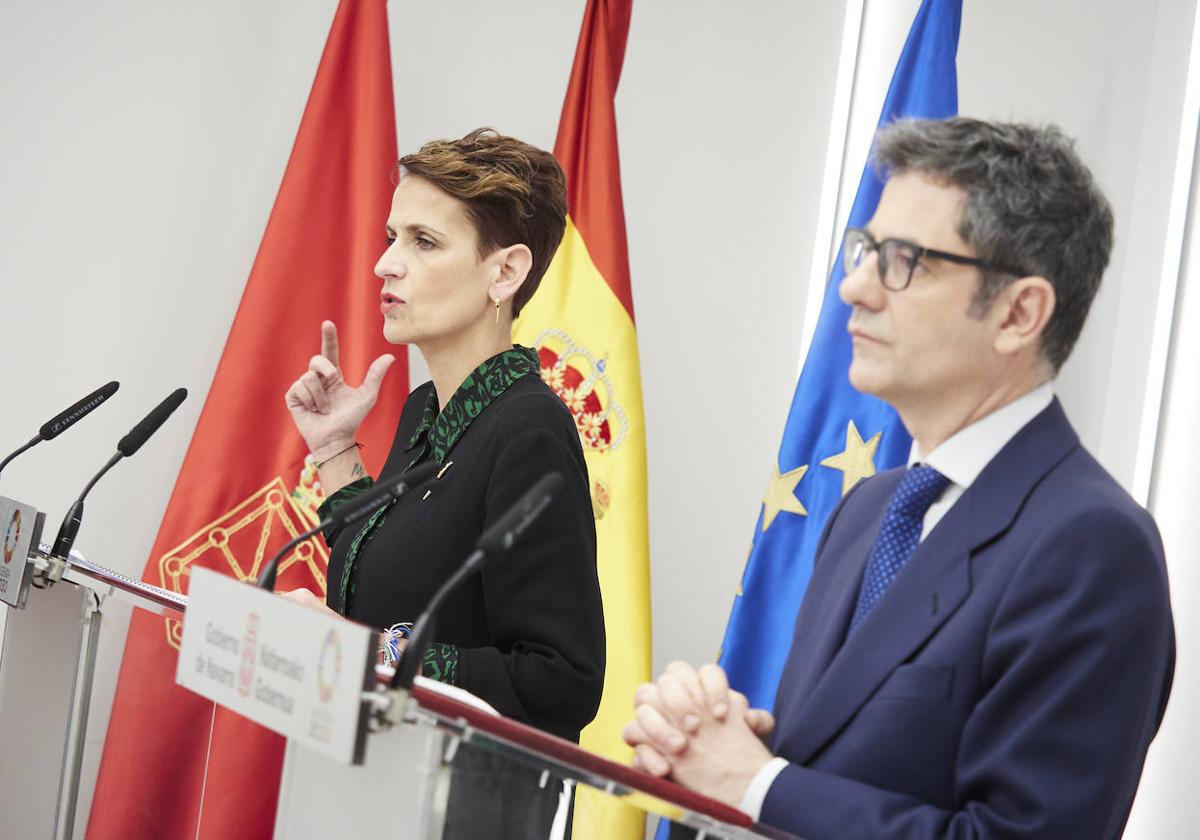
{"x":67,"y":418}
{"x":496,"y":539}
{"x":385,"y":492}
{"x":140,"y":433}
{"x":501,"y":534}
{"x":376,"y":497}
{"x":128,"y":445}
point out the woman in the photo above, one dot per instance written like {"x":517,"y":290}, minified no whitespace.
{"x":473,"y":226}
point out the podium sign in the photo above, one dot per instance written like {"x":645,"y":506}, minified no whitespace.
{"x":22,"y":527}
{"x":295,"y":670}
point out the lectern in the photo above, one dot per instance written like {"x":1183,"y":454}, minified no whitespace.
{"x":47,"y":666}
{"x":363,"y":760}
{"x":406,"y":786}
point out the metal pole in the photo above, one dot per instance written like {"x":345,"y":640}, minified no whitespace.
{"x":1176,"y":240}
{"x":81,"y":700}
{"x":826,"y":241}
{"x":439,"y":761}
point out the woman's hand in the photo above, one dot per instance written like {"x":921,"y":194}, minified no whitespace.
{"x":327,"y":412}
{"x":306,"y":598}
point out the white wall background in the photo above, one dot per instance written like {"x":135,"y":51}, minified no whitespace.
{"x":143,"y":144}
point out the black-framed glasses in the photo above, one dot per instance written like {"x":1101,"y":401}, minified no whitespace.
{"x":898,"y":258}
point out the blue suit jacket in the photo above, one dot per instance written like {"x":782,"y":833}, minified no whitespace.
{"x":1009,"y":681}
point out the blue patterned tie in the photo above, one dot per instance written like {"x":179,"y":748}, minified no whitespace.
{"x":899,"y":535}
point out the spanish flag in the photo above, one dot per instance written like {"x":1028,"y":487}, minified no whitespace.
{"x":581,"y":322}
{"x":175,"y":766}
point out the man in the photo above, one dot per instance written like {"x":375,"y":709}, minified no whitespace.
{"x":985,"y":648}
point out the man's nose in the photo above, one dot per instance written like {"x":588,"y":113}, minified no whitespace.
{"x":861,"y":286}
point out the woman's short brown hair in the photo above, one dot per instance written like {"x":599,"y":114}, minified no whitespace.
{"x":514,"y":193}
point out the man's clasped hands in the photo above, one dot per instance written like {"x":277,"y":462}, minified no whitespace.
{"x":692,"y":727}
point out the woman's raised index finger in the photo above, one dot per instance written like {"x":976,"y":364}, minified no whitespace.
{"x":329,"y":342}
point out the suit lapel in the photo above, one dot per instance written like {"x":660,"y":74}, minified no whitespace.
{"x":825,"y":611}
{"x":836,"y":681}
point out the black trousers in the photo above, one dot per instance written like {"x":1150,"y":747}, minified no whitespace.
{"x":494,"y":796}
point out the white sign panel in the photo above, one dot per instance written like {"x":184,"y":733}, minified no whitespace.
{"x":20,"y":526}
{"x":295,"y":670}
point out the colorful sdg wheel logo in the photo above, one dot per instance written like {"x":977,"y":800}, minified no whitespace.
{"x":12,"y":535}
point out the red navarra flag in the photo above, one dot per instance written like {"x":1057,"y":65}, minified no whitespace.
{"x":581,"y":322}
{"x":172,"y":761}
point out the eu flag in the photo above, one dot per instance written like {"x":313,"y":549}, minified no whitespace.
{"x":834,"y":435}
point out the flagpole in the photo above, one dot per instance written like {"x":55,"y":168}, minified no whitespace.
{"x":824,"y":242}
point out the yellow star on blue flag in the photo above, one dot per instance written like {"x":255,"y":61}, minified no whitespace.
{"x":827,"y":415}
{"x":857,"y":460}
{"x":781,"y":495}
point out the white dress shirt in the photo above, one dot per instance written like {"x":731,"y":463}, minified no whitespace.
{"x":961,"y":458}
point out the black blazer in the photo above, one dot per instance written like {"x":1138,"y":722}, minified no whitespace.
{"x":528,"y":630}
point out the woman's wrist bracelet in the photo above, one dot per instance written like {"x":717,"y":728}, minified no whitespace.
{"x":323,"y":462}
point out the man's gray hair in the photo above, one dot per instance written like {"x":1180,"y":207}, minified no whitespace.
{"x":1031,"y":205}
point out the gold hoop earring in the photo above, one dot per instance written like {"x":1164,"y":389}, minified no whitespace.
{"x":497,"y":310}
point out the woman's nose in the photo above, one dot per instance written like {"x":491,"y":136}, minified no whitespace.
{"x":390,"y":264}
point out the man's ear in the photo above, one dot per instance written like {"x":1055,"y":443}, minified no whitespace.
{"x":1022,"y":311}
{"x":512,"y":267}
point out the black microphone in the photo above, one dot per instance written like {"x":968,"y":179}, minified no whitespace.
{"x":498,"y":538}
{"x":67,"y":418}
{"x":140,"y":433}
{"x":385,"y":492}
{"x":128,"y":445}
{"x":376,"y":497}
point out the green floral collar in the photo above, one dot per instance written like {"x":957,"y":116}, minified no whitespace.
{"x":481,"y":387}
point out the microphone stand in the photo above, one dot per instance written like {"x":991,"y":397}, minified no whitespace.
{"x":70,"y":523}
{"x":422,"y":632}
{"x":126,"y":447}
{"x":496,"y":540}
{"x":266,"y":578}
{"x":34,"y":442}
{"x":385,"y":492}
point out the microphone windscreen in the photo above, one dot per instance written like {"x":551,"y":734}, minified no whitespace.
{"x":382,"y":493}
{"x":140,"y":433}
{"x":69,"y":417}
{"x":500,"y":535}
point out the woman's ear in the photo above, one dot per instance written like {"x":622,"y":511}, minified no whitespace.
{"x":513,"y":266}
